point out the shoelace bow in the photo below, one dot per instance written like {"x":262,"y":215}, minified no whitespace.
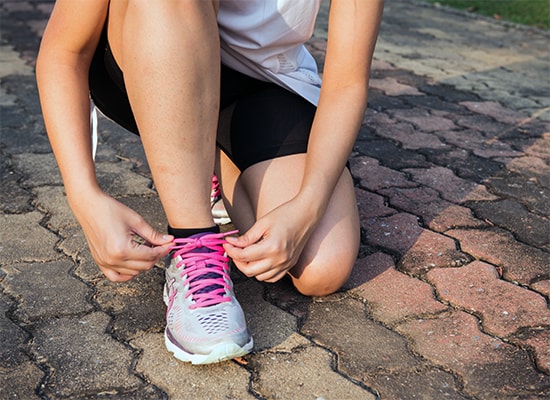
{"x":207,"y":272}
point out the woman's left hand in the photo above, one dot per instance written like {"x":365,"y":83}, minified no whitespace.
{"x":273,"y":245}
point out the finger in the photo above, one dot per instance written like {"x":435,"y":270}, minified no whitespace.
{"x":251,"y":253}
{"x":148,"y":234}
{"x":143,"y":253}
{"x":151,"y":236}
{"x":115,"y":276}
{"x":250,"y":237}
{"x":253,"y":269}
{"x":272,"y":277}
{"x":235,"y":253}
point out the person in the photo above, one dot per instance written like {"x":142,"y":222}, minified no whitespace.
{"x":225,"y":86}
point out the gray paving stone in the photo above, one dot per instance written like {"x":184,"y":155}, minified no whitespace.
{"x":74,"y":245}
{"x":26,"y":136}
{"x":495,"y":110}
{"x":423,"y":120}
{"x":46,"y":290}
{"x":373,"y":176}
{"x":511,"y":185}
{"x":284,"y":295}
{"x":427,"y":384}
{"x":290,"y":376}
{"x":422,"y":201}
{"x":27,"y":101}
{"x":527,"y":227}
{"x":13,"y":198}
{"x":390,"y":154}
{"x":118,"y":179}
{"x":533,"y":168}
{"x":478,"y":143}
{"x":149,"y":207}
{"x":379,"y":102}
{"x":73,"y":242}
{"x":466,"y":165}
{"x":53,"y":201}
{"x":270,"y":326}
{"x":481,"y":123}
{"x":22,"y":382}
{"x":136,"y":306}
{"x":182,"y":381}
{"x":24,"y":240}
{"x":87,"y":269}
{"x":364,"y":347}
{"x":436,"y":106}
{"x":411,"y":138}
{"x":38,"y":169}
{"x":449,"y":186}
{"x":11,"y":63}
{"x":371,"y":205}
{"x":12,"y":337}
{"x":83,"y":358}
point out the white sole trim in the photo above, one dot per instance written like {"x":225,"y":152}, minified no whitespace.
{"x":223,"y":352}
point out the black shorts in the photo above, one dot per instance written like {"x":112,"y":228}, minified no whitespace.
{"x":267,"y":120}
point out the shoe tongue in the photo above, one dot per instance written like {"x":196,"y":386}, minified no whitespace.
{"x":201,"y":249}
{"x":207,"y":275}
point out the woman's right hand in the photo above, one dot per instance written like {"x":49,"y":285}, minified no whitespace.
{"x":122,"y":243}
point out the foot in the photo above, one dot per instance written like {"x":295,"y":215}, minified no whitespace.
{"x":204,"y":321}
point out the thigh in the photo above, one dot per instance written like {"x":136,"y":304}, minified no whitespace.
{"x":107,"y":87}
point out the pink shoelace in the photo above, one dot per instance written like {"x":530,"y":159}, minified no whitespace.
{"x":204,"y":262}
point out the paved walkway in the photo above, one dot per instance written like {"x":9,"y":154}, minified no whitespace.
{"x":449,"y":297}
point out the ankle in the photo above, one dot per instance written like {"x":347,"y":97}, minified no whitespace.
{"x":187,"y":232}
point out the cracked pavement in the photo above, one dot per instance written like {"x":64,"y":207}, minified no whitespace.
{"x":449,"y":295}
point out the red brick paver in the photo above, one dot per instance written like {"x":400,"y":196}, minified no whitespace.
{"x":503,"y":307}
{"x":521,"y":263}
{"x":489,"y":367}
{"x":391,"y":295}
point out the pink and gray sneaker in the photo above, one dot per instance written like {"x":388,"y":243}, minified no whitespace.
{"x":204,"y":321}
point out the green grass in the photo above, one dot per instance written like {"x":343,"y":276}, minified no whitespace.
{"x":527,"y":12}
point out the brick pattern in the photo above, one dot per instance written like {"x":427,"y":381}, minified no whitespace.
{"x":449,"y":295}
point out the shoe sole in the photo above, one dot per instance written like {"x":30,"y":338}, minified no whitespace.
{"x":219,"y":353}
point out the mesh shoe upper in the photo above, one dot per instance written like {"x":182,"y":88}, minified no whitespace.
{"x":203,"y":313}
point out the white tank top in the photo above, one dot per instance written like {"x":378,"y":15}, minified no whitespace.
{"x":265,"y":39}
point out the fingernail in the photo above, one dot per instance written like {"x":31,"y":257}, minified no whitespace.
{"x":167,"y":237}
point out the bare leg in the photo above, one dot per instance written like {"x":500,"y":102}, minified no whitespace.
{"x":329,"y":256}
{"x":169,"y":53}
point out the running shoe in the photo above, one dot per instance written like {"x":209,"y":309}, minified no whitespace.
{"x":204,"y":321}
{"x":219,"y":213}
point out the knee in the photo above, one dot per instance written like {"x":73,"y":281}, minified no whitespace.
{"x":324,"y":277}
